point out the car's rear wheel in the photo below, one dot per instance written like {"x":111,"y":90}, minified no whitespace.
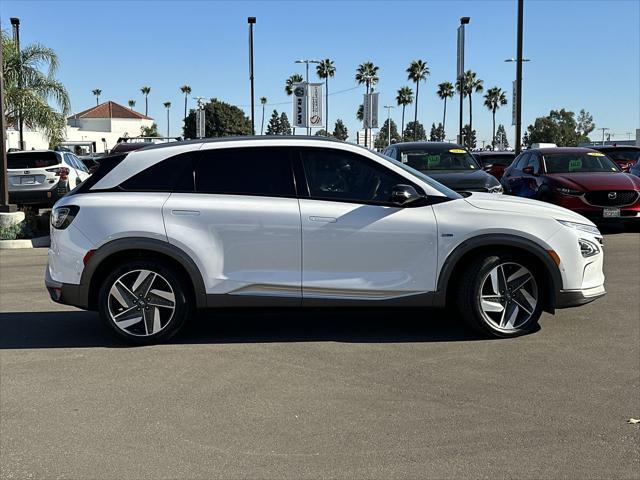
{"x":144,"y":302}
{"x":501,"y":295}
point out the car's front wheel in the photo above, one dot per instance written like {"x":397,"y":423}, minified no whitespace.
{"x":501,"y":295}
{"x":144,"y":302}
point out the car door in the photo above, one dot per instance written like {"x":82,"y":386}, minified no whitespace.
{"x":74,"y":174}
{"x":512,"y":178}
{"x":241,"y":225}
{"x":529,"y":187}
{"x":356,"y":244}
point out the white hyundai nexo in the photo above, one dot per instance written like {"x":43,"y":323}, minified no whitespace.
{"x":299,"y":221}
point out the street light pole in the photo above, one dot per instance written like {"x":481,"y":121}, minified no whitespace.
{"x":389,"y":107}
{"x":463,"y":21}
{"x":251,"y":21}
{"x":519,"y":80}
{"x":15,"y":23}
{"x":306,"y":80}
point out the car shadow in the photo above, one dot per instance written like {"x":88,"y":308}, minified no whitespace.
{"x":78,"y":329}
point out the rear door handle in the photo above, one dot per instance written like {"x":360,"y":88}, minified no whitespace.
{"x":323,"y":219}
{"x":185,"y":212}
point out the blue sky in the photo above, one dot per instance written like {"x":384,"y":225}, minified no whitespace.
{"x":585,"y":54}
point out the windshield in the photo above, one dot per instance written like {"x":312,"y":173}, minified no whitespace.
{"x":425,"y":159}
{"x":21,"y":160}
{"x":421,"y":176}
{"x":579,"y":162}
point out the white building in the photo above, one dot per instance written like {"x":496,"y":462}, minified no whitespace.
{"x":371,"y":137}
{"x":102,"y":124}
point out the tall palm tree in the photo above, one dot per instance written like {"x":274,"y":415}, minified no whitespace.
{"x":132,"y":103}
{"x":493,"y":100}
{"x":288,"y":87}
{"x":167,"y":105}
{"x":326,"y":69}
{"x":367,"y":74}
{"x":417,"y":71}
{"x":145,"y":91}
{"x":472,"y":84}
{"x":97,"y":92}
{"x":445,"y":90}
{"x":404,"y":98}
{"x":186,"y":89}
{"x":32,"y":94}
{"x":360,"y":112}
{"x":263,"y":102}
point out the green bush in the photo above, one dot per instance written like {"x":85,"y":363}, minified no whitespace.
{"x":11,"y":232}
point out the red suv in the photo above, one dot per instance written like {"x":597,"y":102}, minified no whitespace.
{"x":580,"y":179}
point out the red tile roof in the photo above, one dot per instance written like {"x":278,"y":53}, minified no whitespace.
{"x":110,"y":109}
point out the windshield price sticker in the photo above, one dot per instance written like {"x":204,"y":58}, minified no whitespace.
{"x":457,"y":150}
{"x":595,"y":154}
{"x":575,"y":165}
{"x":433,"y":160}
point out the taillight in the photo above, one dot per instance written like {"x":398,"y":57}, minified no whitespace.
{"x":62,"y":172}
{"x":61,"y":217}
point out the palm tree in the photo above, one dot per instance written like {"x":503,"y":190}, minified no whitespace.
{"x":288,"y":87}
{"x":326,"y":69}
{"x":186,"y":89}
{"x":367,"y":73}
{"x":445,"y":90}
{"x":145,"y":91}
{"x":471,"y":84}
{"x":97,"y":92}
{"x":263,"y":102}
{"x":404,"y":98}
{"x":167,"y":105}
{"x":30,"y":96}
{"x":417,"y":71}
{"x":360,"y":112}
{"x":132,"y":103}
{"x":493,"y":100}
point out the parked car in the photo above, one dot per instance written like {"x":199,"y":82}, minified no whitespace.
{"x":494,"y":162}
{"x":40,"y":177}
{"x":303,"y":221}
{"x":448,"y":163}
{"x":580,"y":179}
{"x":91,"y":161}
{"x":624,"y":155}
{"x":635,"y":169}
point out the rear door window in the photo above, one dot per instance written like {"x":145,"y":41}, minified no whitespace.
{"x":25,"y":160}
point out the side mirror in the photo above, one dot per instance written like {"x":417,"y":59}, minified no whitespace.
{"x":404,"y":194}
{"x":528,"y":170}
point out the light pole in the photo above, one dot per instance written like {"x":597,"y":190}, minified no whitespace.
{"x":517,"y":94}
{"x":389,"y":107}
{"x":463,"y":21}
{"x":306,"y":61}
{"x":15,"y":24}
{"x":251,"y":21}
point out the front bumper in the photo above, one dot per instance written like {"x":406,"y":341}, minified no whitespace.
{"x":575,"y":298}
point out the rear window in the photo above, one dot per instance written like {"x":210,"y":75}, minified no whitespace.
{"x":21,"y":160}
{"x":105,"y":165}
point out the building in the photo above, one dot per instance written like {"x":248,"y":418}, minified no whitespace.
{"x":102,"y":124}
{"x":371,"y":137}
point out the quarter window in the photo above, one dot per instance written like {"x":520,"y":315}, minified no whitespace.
{"x":172,"y":174}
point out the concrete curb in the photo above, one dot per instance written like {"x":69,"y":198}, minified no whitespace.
{"x":37,"y":242}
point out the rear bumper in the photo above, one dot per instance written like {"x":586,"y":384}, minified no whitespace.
{"x":65,"y":293}
{"x":31,"y":197}
{"x":575,"y":298}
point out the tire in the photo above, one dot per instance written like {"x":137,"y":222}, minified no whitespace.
{"x":141,"y":308}
{"x":490,"y":308}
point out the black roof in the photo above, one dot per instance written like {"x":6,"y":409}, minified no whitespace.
{"x":614,"y":147}
{"x":435,"y":146}
{"x":486,"y":153}
{"x":243,"y":138}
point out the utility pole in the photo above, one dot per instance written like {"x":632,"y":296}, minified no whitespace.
{"x":603,"y":130}
{"x":389,"y":107}
{"x":519,"y":79}
{"x":463,"y":21}
{"x":15,"y":24}
{"x":251,"y":21}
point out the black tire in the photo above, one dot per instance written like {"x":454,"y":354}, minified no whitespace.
{"x":138,"y":333}
{"x":470,"y":291}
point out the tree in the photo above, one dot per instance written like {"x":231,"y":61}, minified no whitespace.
{"x":186,"y":89}
{"x":471,"y":84}
{"x":415,"y":130}
{"x":360,"y":112}
{"x":32,"y":94}
{"x":145,"y":91}
{"x":404,"y":98}
{"x":288,"y":87}
{"x":585,"y":123}
{"x":445,"y":90}
{"x":167,"y":105}
{"x":417,"y":71}
{"x":151,"y":131}
{"x":285,"y":126}
{"x":559,"y":127}
{"x":263,"y":102}
{"x":326,"y":69}
{"x":469,"y":137}
{"x":340,"y":130}
{"x":382,"y":139}
{"x":273,"y":127}
{"x":97,"y":92}
{"x":221,"y":120}
{"x":322,"y":133}
{"x":437,"y":133}
{"x":493,"y":100}
{"x":132,"y":103}
{"x":501,"y":138}
{"x":367,"y":74}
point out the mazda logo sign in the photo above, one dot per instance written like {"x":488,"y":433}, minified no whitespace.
{"x":612,"y":195}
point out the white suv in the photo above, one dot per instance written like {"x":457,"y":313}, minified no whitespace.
{"x":298,"y":221}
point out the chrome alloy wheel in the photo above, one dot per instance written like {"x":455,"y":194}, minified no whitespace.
{"x":508,"y":296}
{"x":141,"y":303}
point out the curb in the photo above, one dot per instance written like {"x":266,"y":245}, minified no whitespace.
{"x":37,"y":242}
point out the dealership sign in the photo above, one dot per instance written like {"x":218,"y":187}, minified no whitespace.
{"x":370,"y":107}
{"x":307,"y":105}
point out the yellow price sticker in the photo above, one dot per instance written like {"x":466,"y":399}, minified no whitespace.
{"x":457,"y":150}
{"x":595,"y":154}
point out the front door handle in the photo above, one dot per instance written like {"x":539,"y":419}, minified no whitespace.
{"x":323,"y":219}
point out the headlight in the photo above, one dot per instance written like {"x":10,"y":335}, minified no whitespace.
{"x":568,"y":191}
{"x":587,"y":248}
{"x":583,"y":227}
{"x":61,"y":217}
{"x":496,"y":189}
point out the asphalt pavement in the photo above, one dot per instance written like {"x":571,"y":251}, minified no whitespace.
{"x":321,"y":393}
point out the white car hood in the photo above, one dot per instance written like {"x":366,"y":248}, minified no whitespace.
{"x":524,"y":206}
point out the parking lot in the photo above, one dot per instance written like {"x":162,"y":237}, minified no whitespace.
{"x":315,"y":394}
